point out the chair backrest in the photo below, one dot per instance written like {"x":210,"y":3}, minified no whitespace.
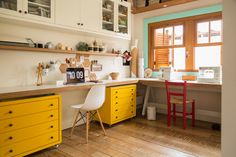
{"x":95,"y":98}
{"x":171,"y":90}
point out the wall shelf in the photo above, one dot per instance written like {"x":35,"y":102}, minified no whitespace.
{"x":17,"y":48}
{"x":159,"y":6}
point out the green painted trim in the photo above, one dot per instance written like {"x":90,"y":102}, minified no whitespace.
{"x":194,"y":12}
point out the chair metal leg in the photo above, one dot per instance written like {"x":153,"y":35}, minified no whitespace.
{"x":87,"y":125}
{"x":74,"y":123}
{"x":100,"y":120}
{"x":193,"y":113}
{"x":184,"y":116}
{"x":174,"y":112}
{"x":169,"y":113}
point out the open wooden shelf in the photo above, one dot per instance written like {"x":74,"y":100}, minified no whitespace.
{"x":17,"y":48}
{"x":159,"y":6}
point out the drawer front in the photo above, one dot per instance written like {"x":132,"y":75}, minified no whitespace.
{"x":123,"y":114}
{"x":120,"y":101}
{"x":20,"y":148}
{"x":123,"y":106}
{"x":123,"y":92}
{"x":21,"y":109}
{"x":27,"y":133}
{"x":26,"y":121}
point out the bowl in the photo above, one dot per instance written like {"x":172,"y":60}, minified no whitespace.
{"x":114,"y":75}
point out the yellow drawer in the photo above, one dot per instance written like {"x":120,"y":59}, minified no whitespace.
{"x":24,"y":108}
{"x":123,"y":114}
{"x":27,"y":133}
{"x":123,"y":107}
{"x":26,"y":121}
{"x":123,"y":101}
{"x":29,"y":146}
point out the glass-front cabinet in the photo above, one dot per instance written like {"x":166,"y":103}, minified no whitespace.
{"x":116,"y":17}
{"x":41,"y":10}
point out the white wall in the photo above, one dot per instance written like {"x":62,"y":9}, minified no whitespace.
{"x":229,"y":80}
{"x":19,"y":68}
{"x":138,"y":19}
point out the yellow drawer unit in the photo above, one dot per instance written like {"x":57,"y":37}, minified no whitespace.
{"x":119,"y":105}
{"x":29,"y":125}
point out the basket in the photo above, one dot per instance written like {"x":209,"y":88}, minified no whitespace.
{"x":114,"y":75}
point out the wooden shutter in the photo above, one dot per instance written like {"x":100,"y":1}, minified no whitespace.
{"x":162,"y":57}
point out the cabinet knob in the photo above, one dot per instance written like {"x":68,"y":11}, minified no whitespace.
{"x":10,"y":151}
{"x":51,"y":126}
{"x":10,"y":138}
{"x":10,"y":125}
{"x":132,"y":99}
{"x":20,"y":11}
{"x":116,"y":102}
{"x":25,"y":12}
{"x":51,"y":115}
{"x":116,"y":109}
{"x":116,"y":92}
{"x":116,"y":96}
{"x":51,"y":104}
{"x":51,"y":137}
{"x":116,"y":117}
{"x":132,"y":111}
{"x":10,"y":112}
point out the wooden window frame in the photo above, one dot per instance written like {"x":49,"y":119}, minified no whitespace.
{"x":189,"y":37}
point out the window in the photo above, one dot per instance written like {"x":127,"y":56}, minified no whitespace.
{"x":186,"y":44}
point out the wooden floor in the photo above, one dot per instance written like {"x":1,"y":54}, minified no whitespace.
{"x":138,"y":137}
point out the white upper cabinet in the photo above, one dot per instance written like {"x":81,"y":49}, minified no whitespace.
{"x":81,"y":14}
{"x":68,"y":13}
{"x":116,"y":17}
{"x":91,"y":14}
{"x":41,"y":10}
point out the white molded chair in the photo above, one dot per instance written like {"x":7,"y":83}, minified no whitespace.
{"x":93,"y":102}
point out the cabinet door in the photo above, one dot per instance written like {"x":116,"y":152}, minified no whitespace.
{"x":42,"y":10}
{"x":91,"y":14}
{"x":68,"y":13}
{"x":123,"y":18}
{"x":13,"y":7}
{"x":108,"y":15}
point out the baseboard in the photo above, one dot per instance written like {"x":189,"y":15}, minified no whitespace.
{"x":203,"y":115}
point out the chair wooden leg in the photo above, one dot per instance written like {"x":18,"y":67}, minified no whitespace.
{"x":184,"y":116}
{"x":74,"y":123}
{"x":87,"y":125}
{"x":174,"y":112}
{"x":100,"y":120}
{"x":169,"y":113}
{"x":193,"y":113}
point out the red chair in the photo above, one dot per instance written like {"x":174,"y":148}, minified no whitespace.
{"x":175,"y":97}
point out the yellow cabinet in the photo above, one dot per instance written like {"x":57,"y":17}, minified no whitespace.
{"x":120,"y":104}
{"x":29,"y":125}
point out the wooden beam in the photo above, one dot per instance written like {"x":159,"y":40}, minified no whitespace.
{"x":159,"y":6}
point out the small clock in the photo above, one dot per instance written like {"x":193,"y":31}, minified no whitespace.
{"x":75,"y":75}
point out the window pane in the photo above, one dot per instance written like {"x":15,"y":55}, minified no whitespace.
{"x":207,"y":56}
{"x":178,"y":30}
{"x":168,"y":36}
{"x":162,"y":57}
{"x":179,"y":58}
{"x":216,"y":31}
{"x":158,"y":37}
{"x":203,"y":32}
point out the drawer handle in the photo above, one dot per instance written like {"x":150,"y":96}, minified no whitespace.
{"x":132,"y":89}
{"x":51,"y":126}
{"x":116,"y":117}
{"x":116,"y":92}
{"x":116,"y":96}
{"x":132,"y":93}
{"x":51,"y":115}
{"x":132,"y":99}
{"x":116,"y":109}
{"x":132,"y":111}
{"x":10,"y":151}
{"x":51,"y":104}
{"x":10,"y":112}
{"x":10,"y":138}
{"x":51,"y":137}
{"x":116,"y":102}
{"x":10,"y":125}
{"x":132,"y":105}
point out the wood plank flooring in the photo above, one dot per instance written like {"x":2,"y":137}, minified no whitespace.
{"x":138,"y":137}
